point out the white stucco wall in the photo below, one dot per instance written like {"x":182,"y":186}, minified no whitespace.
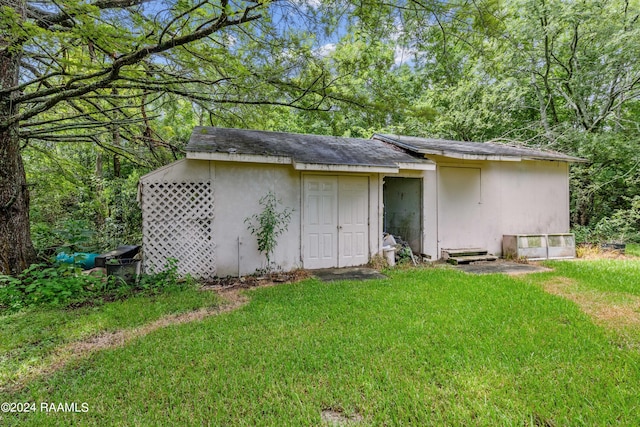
{"x":524,"y":197}
{"x":238,"y":188}
{"x":180,"y":171}
{"x":430,"y":215}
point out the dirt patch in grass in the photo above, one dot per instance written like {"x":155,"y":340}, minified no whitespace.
{"x":229,"y":289}
{"x":509,"y":267}
{"x":338,"y":418}
{"x":559,"y":286}
{"x":616,"y":309}
{"x":115,"y":339}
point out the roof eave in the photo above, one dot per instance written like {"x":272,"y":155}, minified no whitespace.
{"x":399,"y":143}
{"x":467,"y":156}
{"x":567,"y":159}
{"x":238,"y":157}
{"x":422,"y":166}
{"x":323,"y":167}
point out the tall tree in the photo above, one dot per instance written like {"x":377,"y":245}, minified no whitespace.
{"x":16,"y":250}
{"x":86,"y":70}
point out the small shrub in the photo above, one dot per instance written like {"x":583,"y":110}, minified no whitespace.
{"x":583,"y":234}
{"x":75,"y":236}
{"x":11,"y":297}
{"x":623,"y":226}
{"x":268,"y":225}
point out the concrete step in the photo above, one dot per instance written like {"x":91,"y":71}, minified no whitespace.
{"x":452,"y":253}
{"x":470,"y":258}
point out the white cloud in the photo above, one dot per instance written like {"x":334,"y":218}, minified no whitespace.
{"x":314,"y":4}
{"x":402,"y":55}
{"x":326,"y":49}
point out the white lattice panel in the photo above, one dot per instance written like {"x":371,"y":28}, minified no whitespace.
{"x":177,"y":222}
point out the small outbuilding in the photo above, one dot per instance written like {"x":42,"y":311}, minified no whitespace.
{"x":344,"y":192}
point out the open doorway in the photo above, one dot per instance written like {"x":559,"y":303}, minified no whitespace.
{"x":402,"y":198}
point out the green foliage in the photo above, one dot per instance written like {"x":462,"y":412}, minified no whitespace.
{"x":74,"y":211}
{"x":633,"y":249}
{"x":269,"y":224}
{"x":65,"y":285}
{"x":75,"y":236}
{"x":164,"y":280}
{"x":123,"y":220}
{"x":623,"y":226}
{"x":404,"y":255}
{"x":59,"y":285}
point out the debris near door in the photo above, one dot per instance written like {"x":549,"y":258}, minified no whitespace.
{"x":403,"y":251}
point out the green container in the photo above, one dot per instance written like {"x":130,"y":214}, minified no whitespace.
{"x":127,"y":269}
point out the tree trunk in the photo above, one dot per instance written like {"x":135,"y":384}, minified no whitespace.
{"x":16,"y":249}
{"x":99,"y":177}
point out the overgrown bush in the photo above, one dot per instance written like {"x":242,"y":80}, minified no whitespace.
{"x":65,"y":285}
{"x":88,"y":217}
{"x":123,"y":219}
{"x":68,"y":236}
{"x":59,"y":285}
{"x":166,"y":279}
{"x":623,"y":226}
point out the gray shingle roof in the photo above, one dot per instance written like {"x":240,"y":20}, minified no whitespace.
{"x":472,"y":150}
{"x":309,"y":149}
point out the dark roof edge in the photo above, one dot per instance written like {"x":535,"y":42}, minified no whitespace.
{"x":401,"y":144}
{"x":533,"y":154}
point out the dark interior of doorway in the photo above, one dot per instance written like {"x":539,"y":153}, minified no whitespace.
{"x":402,"y":198}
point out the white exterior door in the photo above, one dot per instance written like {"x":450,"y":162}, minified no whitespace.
{"x":353,"y":220}
{"x":335,"y":221}
{"x":320,"y":212}
{"x":460,"y":208}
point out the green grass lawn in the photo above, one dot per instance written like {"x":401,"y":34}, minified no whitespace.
{"x":29,"y":338}
{"x":606,"y":275}
{"x":633,"y":249}
{"x":423,"y":347}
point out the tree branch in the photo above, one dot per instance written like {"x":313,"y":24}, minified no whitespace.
{"x":112,"y":73}
{"x":64,"y":18}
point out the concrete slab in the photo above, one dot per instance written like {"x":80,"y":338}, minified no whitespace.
{"x":501,"y":266}
{"x":350,"y":273}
